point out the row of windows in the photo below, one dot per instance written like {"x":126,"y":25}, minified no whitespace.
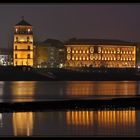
{"x":99,"y":58}
{"x":28,"y":39}
{"x":112,"y":52}
{"x":29,"y":47}
{"x":121,"y":52}
{"x":28,"y":56}
{"x":23,"y":30}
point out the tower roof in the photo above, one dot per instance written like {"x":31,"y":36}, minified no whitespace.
{"x":23,"y":23}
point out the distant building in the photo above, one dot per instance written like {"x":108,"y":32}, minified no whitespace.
{"x":23,"y":44}
{"x":100,"y":53}
{"x":49,"y":53}
{"x":5,"y":57}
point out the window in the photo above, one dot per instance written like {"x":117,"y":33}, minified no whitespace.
{"x":28,"y":47}
{"x":15,"y":56}
{"x":16,"y":39}
{"x":15,"y":47}
{"x":28,"y":38}
{"x":28,"y":55}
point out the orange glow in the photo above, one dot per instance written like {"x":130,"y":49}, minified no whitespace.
{"x":23,"y":48}
{"x":23,"y":124}
{"x":108,"y":53}
{"x":124,"y":118}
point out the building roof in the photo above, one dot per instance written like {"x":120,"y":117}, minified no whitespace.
{"x":75,"y":41}
{"x":23,"y":23}
{"x":51,"y":43}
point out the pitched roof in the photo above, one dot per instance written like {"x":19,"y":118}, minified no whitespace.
{"x":75,"y":41}
{"x":23,"y":23}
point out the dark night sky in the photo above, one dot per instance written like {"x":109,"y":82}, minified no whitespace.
{"x":121,"y":21}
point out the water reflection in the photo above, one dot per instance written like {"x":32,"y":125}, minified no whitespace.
{"x":1,"y":87}
{"x":97,"y":88}
{"x":71,"y":123}
{"x":102,"y":118}
{"x":1,"y":121}
{"x":23,"y":90}
{"x":23,"y":123}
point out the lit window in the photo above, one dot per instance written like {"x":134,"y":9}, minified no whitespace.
{"x":76,"y":58}
{"x":68,"y":57}
{"x":68,"y":49}
{"x":76,"y":51}
{"x":72,"y":51}
{"x":87,"y":51}
{"x":83,"y":51}
{"x":87,"y":58}
{"x":83,"y":58}
{"x":91,"y":50}
{"x":29,"y":30}
{"x":72,"y":58}
{"x":80,"y":51}
{"x":91,"y":57}
{"x":16,"y":29}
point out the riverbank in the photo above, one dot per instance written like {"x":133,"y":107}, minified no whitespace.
{"x":94,"y":104}
{"x":83,"y":74}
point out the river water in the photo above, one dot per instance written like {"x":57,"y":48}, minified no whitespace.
{"x":84,"y":122}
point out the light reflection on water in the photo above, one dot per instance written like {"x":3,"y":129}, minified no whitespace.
{"x":68,"y":123}
{"x":34,"y":90}
{"x":72,"y":123}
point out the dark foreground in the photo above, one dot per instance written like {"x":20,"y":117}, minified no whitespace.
{"x":111,"y":103}
{"x":83,"y":74}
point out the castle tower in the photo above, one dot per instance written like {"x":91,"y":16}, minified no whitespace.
{"x":23,"y":44}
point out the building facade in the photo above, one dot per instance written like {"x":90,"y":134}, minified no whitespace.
{"x":100,"y":53}
{"x":50,"y":54}
{"x":23,"y":44}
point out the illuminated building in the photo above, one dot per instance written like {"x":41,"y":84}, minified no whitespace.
{"x":100,"y":53}
{"x":23,"y":44}
{"x":49,"y":53}
{"x":5,"y":57}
